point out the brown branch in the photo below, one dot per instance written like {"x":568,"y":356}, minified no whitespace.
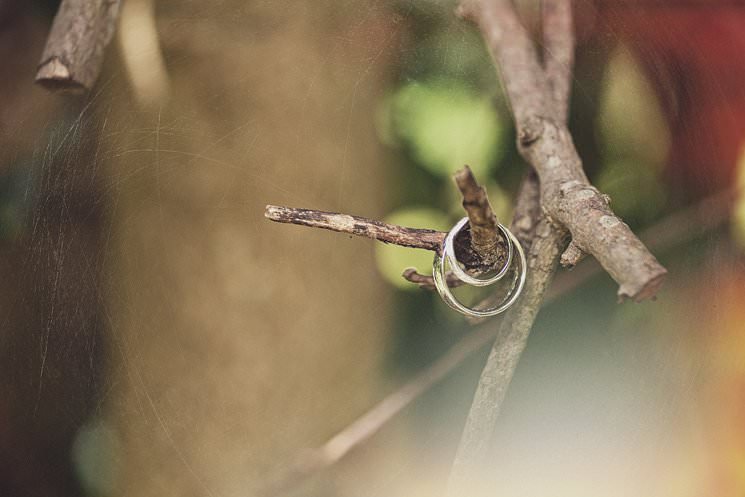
{"x":502,"y":362}
{"x":524,"y":220}
{"x":426,"y":282}
{"x":478,"y":253}
{"x":675,"y":229}
{"x":485,"y":238}
{"x":531,"y":93}
{"x":74,"y":51}
{"x":544,"y":141}
{"x":359,"y":226}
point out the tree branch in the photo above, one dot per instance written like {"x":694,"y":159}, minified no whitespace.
{"x":524,"y":219}
{"x":675,"y":229}
{"x":513,"y":333}
{"x":74,"y":51}
{"x":478,"y":253}
{"x":544,"y":141}
{"x":529,"y":90}
{"x":483,"y":225}
{"x":359,"y":226}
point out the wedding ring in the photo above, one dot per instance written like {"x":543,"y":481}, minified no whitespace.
{"x":439,"y":267}
{"x":455,"y":265}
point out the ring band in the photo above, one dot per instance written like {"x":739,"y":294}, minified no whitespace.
{"x":439,"y":266}
{"x":459,"y":272}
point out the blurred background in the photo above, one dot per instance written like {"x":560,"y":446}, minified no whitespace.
{"x":159,"y":337}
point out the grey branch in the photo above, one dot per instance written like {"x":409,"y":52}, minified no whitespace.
{"x":530,"y":92}
{"x":495,"y":379}
{"x":74,"y":51}
{"x":544,"y":141}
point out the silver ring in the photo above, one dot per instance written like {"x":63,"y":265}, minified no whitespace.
{"x":443,"y":289}
{"x":455,"y":266}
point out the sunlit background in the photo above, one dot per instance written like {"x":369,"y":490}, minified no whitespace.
{"x":159,"y":337}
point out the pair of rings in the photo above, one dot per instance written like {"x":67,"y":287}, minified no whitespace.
{"x":447,"y":257}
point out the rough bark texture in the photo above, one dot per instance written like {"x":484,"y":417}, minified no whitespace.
{"x":75,"y":48}
{"x":359,"y":226}
{"x":544,"y":141}
{"x":571,"y":201}
{"x":521,"y":67}
{"x":483,"y":225}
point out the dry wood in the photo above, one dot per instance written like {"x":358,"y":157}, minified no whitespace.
{"x":483,"y":225}
{"x":569,"y":205}
{"x":520,"y":71}
{"x":479,"y":248}
{"x":544,"y":141}
{"x":74,"y":51}
{"x":676,"y":229}
{"x":355,"y":225}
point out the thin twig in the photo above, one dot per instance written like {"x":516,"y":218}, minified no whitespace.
{"x":524,"y":220}
{"x":483,"y":224}
{"x":426,"y":282}
{"x":354,"y":225}
{"x":74,"y":51}
{"x":478,"y":254}
{"x":364,"y":427}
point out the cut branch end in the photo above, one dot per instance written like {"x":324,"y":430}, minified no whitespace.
{"x":54,"y":75}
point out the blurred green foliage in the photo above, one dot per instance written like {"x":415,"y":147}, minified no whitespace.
{"x":392,"y":259}
{"x":446,"y":124}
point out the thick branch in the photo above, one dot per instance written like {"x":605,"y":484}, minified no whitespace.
{"x":74,"y":51}
{"x":544,"y":141}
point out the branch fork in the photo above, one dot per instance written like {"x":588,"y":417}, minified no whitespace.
{"x":559,"y":215}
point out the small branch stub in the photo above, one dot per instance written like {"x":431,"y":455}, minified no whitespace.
{"x":485,"y":238}
{"x":73,"y":55}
